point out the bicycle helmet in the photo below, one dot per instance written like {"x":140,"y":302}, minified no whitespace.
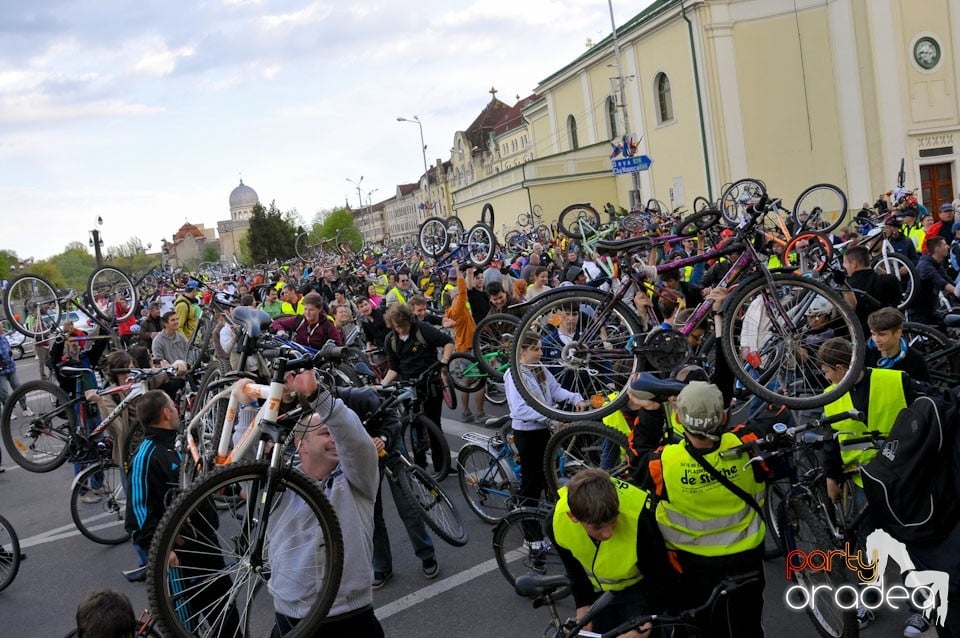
{"x":819,"y":307}
{"x":700,"y":410}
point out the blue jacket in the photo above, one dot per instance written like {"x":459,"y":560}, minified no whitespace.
{"x":7,"y":364}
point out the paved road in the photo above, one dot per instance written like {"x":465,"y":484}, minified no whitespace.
{"x":469,"y":599}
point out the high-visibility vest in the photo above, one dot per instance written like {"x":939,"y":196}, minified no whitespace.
{"x":774,"y":261}
{"x":617,"y":420}
{"x":702,"y":516}
{"x":886,"y":399}
{"x":612,"y":564}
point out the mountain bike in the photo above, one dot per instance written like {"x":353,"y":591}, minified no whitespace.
{"x":226,"y":546}
{"x":437,"y":235}
{"x":762,"y":333}
{"x":488,"y":469}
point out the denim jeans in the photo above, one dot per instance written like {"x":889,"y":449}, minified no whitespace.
{"x":416,"y":530}
{"x":10,"y":380}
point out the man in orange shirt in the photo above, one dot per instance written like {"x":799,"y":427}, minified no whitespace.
{"x":459,"y":317}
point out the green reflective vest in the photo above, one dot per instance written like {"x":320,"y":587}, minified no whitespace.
{"x":702,"y":516}
{"x":884,"y":404}
{"x":612,"y":564}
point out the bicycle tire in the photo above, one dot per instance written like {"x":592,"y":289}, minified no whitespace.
{"x":773,"y":539}
{"x":437,"y":510}
{"x":805,"y":532}
{"x":485,"y":483}
{"x":486,"y":215}
{"x":228,"y":548}
{"x":305,"y":250}
{"x":584,"y":359}
{"x":813,"y":256}
{"x":772,"y":347}
{"x":348,"y":241}
{"x":10,"y":556}
{"x":447,"y":390}
{"x":514,"y":242}
{"x":496,"y":392}
{"x":111,"y":283}
{"x":101,"y":521}
{"x":433,"y":237}
{"x":541,"y":233}
{"x":567,"y":222}
{"x":417,"y":445}
{"x":209,"y":420}
{"x":831,"y":202}
{"x":23,"y":300}
{"x":514,"y":551}
{"x":40,"y":443}
{"x":936,"y":348}
{"x":492,"y":340}
{"x":480,"y":245}
{"x":455,"y":227}
{"x":738,"y":195}
{"x":901,"y":267}
{"x":465,"y":373}
{"x":578,"y":446}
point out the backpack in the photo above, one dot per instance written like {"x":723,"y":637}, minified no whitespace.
{"x":909,"y":484}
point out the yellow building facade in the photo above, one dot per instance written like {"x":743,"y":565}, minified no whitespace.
{"x":793,"y":92}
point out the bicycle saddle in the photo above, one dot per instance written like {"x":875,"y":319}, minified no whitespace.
{"x":656,"y":387}
{"x":534,"y":586}
{"x":72,"y":372}
{"x":614,"y":246}
{"x":252,"y":319}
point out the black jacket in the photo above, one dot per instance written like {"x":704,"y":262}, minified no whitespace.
{"x":155,"y":470}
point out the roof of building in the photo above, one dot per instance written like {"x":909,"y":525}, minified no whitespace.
{"x":479,"y":131}
{"x":188,"y":229}
{"x":513,"y":118}
{"x":243,"y":197}
{"x":406,"y":189}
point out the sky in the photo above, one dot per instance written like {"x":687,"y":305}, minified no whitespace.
{"x":148,"y":113}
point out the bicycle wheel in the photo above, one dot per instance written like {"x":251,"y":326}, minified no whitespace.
{"x":10,"y":556}
{"x":521,"y":547}
{"x":433,"y":236}
{"x":739,"y":195}
{"x":937,"y":351}
{"x":803,"y":531}
{"x":485,"y":483}
{"x":486,"y":215}
{"x":808,"y":252}
{"x":422,"y":436}
{"x":574,"y":218}
{"x":480,"y":245}
{"x":904,"y":270}
{"x":465,"y":374}
{"x":492,"y":341}
{"x":209,"y":421}
{"x":32,"y":305}
{"x":39,"y":443}
{"x":822,"y":208}
{"x":107,"y":286}
{"x":772,"y":348}
{"x":305,"y":250}
{"x":514,"y":242}
{"x":348,"y":241}
{"x":773,"y":540}
{"x":436,"y":508}
{"x":98,"y":503}
{"x":597,"y":363}
{"x":223,"y":583}
{"x":581,"y":445}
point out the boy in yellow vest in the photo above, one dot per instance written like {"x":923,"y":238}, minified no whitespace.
{"x":604,"y":532}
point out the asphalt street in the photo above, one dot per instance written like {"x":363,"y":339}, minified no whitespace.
{"x":469,"y":599}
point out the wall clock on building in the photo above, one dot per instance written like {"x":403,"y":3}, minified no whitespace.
{"x":926,"y":52}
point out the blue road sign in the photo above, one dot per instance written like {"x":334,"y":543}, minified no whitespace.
{"x":631,"y":164}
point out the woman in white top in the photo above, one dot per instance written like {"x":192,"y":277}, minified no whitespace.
{"x":538,"y":282}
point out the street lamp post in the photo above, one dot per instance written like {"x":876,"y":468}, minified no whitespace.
{"x":96,"y":242}
{"x":423,"y":150}
{"x":359,"y":196}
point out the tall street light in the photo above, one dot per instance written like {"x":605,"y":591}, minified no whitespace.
{"x":359,"y":197}
{"x":423,"y":146}
{"x":96,"y":241}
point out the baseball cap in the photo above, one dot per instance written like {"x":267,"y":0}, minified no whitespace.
{"x":947,"y":207}
{"x":192,"y":285}
{"x":892,"y":221}
{"x":726,"y":232}
{"x":700,"y":408}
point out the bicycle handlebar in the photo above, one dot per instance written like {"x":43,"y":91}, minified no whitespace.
{"x":724,"y":588}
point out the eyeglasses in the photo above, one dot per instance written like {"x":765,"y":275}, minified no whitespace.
{"x":403,"y":281}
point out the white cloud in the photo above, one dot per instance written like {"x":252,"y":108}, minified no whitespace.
{"x":314,"y":12}
{"x":158,"y":59}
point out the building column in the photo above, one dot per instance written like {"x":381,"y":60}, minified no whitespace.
{"x":889,"y":81}
{"x":720,"y":32}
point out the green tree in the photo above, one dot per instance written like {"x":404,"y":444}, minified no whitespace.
{"x":49,"y":271}
{"x":9,"y":262}
{"x":271,"y":235}
{"x":210,"y":253}
{"x":75,"y":264}
{"x":335,"y":220}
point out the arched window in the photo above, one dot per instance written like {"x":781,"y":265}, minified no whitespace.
{"x":572,"y":132}
{"x":612,"y":116}
{"x":664,"y":99}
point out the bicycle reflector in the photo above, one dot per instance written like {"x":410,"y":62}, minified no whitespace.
{"x":753,"y":359}
{"x":597,"y":401}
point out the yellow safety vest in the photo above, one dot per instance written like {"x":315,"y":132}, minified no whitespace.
{"x":702,"y":516}
{"x":287,"y":308}
{"x":616,"y":419}
{"x":774,"y":261}
{"x":884,"y":404}
{"x":400,"y":297}
{"x":612,"y":564}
